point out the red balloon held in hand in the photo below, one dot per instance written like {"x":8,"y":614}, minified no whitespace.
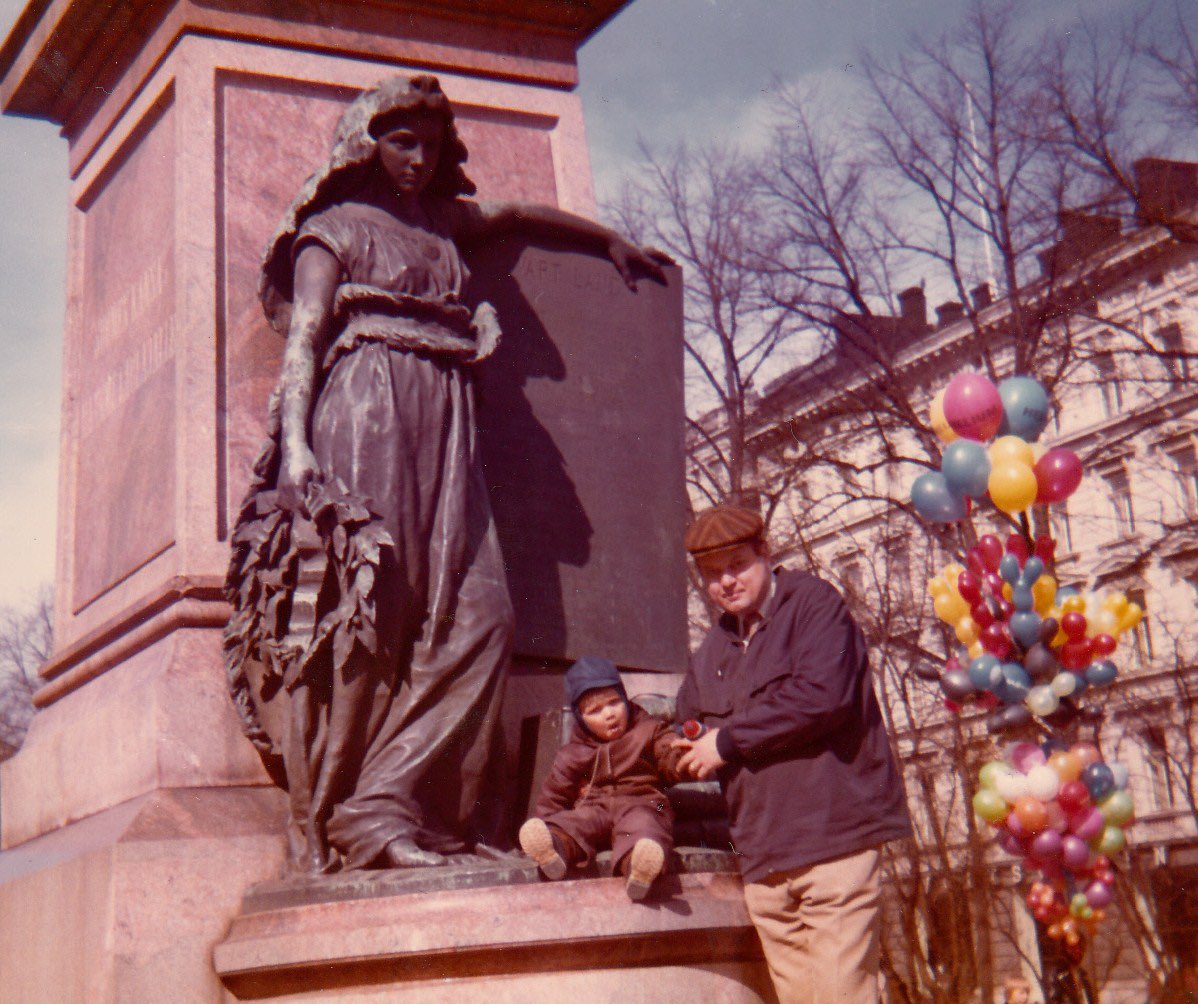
{"x":973,"y":559}
{"x":981,"y":615}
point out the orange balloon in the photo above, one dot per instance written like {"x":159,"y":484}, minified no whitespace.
{"x":1068,"y":765}
{"x":1031,"y":813}
{"x":1087,"y":754}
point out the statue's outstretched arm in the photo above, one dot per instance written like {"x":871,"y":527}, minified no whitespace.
{"x":547,"y":221}
{"x":317,"y":273}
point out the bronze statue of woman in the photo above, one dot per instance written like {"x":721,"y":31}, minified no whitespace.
{"x":377,"y":708}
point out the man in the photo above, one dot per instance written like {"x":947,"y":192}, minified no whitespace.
{"x":796,"y":738}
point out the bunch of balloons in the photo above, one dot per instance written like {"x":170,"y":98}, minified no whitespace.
{"x":1031,"y":649}
{"x":1062,"y":810}
{"x":1011,"y":472}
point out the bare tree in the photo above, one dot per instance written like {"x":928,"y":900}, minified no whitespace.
{"x":25,"y":642}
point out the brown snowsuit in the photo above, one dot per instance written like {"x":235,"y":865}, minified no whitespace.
{"x":609,"y":794}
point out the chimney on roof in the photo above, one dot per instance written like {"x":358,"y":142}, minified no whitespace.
{"x":913,"y":310}
{"x":949,"y":313}
{"x":1165,"y":188}
{"x":982,"y":296}
{"x":1082,"y":234}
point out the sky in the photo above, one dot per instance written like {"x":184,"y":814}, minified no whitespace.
{"x":661,"y":71}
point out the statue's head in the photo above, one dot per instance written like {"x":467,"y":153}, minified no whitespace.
{"x":401,"y":102}
{"x":352,"y":169}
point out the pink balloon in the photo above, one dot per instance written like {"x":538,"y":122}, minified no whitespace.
{"x":1058,"y":473}
{"x":972,"y":406}
{"x":1098,"y":895}
{"x":1087,"y":825}
{"x":1075,"y":852}
{"x":1047,"y":845}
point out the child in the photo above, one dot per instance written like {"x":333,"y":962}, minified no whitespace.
{"x":605,"y":786}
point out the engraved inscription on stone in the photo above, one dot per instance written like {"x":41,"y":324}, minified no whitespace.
{"x":122,"y":413}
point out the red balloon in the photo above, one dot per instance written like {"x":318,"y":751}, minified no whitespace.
{"x":974,"y":560}
{"x":1074,"y":625}
{"x":1058,"y":473}
{"x":994,"y":583}
{"x":990,"y":548}
{"x":1017,"y":546}
{"x":995,"y":641}
{"x":970,"y":587}
{"x":981,"y":615}
{"x":1005,"y":609}
{"x":1104,"y":645}
{"x":972,"y":406}
{"x":1076,"y":655}
{"x":1073,"y":796}
{"x":1046,"y":548}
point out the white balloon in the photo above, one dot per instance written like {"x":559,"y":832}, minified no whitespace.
{"x":1043,"y":782}
{"x":1063,"y":684}
{"x":1011,"y":787}
{"x":1041,"y":701}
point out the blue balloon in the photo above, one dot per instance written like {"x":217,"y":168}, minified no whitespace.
{"x":1065,"y":593}
{"x":966,"y":467}
{"x":1099,"y":780}
{"x":1022,"y":599}
{"x":1024,"y":406}
{"x":985,"y":672}
{"x":1008,"y":568}
{"x":1100,"y":673}
{"x":1025,"y":625}
{"x":935,"y":501}
{"x":1033,"y":568}
{"x":1015,"y":683}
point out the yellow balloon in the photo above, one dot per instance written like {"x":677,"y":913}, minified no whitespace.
{"x":1116,"y":603}
{"x":937,"y":587}
{"x":1007,"y":591}
{"x":975,"y":650}
{"x":938,"y":422}
{"x":950,"y":608}
{"x":1012,"y":486}
{"x":967,"y":630}
{"x":951,"y":574}
{"x":1075,"y":604}
{"x":1133,"y":615}
{"x":1044,"y":591}
{"x":1012,"y":449}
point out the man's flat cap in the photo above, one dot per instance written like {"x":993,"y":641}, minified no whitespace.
{"x":722,"y":526}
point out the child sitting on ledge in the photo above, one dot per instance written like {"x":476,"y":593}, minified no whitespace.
{"x":605,"y":788}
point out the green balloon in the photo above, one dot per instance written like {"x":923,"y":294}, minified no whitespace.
{"x":1117,"y":808}
{"x":990,"y":806}
{"x":1110,"y":841}
{"x":991,"y":772}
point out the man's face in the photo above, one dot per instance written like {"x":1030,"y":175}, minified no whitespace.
{"x":604,"y":712}
{"x":736,"y":579}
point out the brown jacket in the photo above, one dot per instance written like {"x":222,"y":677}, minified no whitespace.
{"x":638,"y":763}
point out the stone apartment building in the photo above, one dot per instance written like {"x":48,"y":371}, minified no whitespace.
{"x":1117,"y":309}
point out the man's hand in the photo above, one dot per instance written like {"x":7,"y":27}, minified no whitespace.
{"x":701,"y":758}
{"x":627,"y":257}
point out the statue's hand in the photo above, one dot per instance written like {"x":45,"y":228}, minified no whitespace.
{"x":628,"y":259}
{"x":297,"y":468}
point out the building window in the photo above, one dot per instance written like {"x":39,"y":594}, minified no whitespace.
{"x":1142,"y":633}
{"x":852,"y":578}
{"x":1119,"y":492}
{"x":1172,"y":343}
{"x":1185,"y":464}
{"x":1156,"y":758}
{"x":1108,"y":384}
{"x":1060,"y":524}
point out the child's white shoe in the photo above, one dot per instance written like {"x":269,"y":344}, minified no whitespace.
{"x":645,"y":863}
{"x":537,"y":842}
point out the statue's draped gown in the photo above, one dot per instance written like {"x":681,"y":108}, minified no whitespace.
{"x":399,"y":744}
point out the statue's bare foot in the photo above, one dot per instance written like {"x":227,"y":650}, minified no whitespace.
{"x":403,"y":853}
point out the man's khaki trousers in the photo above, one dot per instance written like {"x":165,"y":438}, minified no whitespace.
{"x":819,"y":929}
